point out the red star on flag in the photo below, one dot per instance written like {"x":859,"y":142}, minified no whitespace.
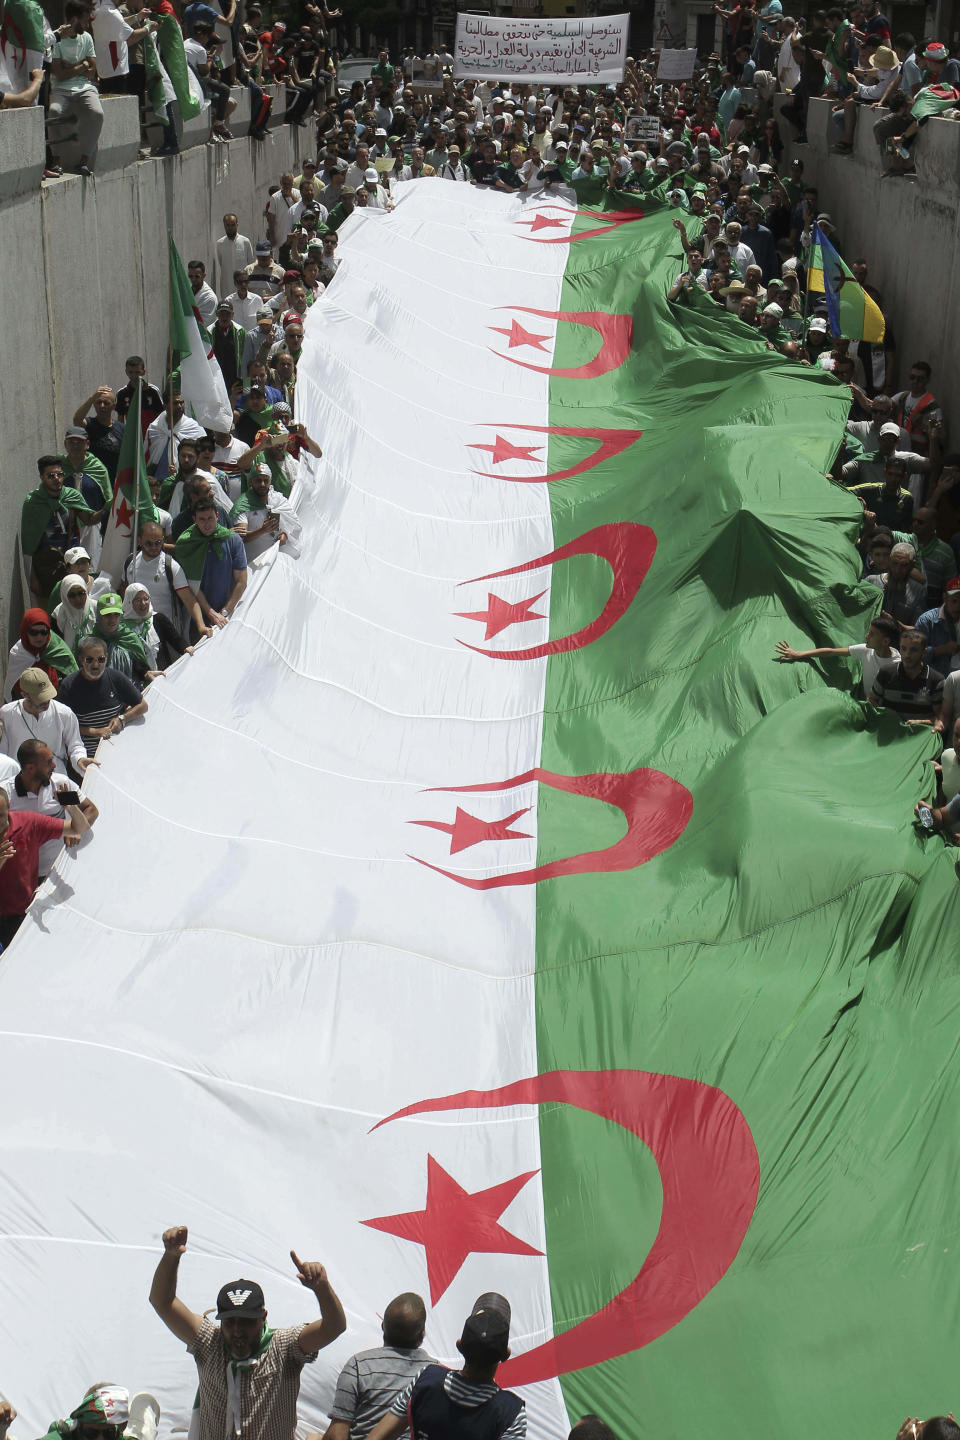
{"x":501,"y":613}
{"x":516,"y":335}
{"x":455,"y":1224}
{"x":468,"y":829}
{"x":502,"y":450}
{"x":124,"y":513}
{"x":543,"y":222}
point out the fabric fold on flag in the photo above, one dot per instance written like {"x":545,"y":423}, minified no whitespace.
{"x":132,"y":503}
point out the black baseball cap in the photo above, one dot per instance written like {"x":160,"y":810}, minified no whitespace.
{"x":240,"y":1297}
{"x":487,"y":1327}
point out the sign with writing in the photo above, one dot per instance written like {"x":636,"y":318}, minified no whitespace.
{"x":676,"y":64}
{"x":645,"y":128}
{"x":571,"y":52}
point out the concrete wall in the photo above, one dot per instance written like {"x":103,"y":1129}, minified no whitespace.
{"x":87,"y":272}
{"x":906,"y":230}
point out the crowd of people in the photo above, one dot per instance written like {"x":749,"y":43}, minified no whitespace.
{"x":249,"y":1375}
{"x":93,"y":640}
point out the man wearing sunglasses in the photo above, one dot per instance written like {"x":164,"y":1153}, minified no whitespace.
{"x":249,"y":1374}
{"x":102,"y":699}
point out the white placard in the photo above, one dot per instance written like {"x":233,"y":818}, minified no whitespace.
{"x":676,"y":64}
{"x":642,"y":128}
{"x":573,"y":52}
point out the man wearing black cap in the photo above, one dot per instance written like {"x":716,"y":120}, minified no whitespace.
{"x":249,"y":1374}
{"x":464,"y":1404}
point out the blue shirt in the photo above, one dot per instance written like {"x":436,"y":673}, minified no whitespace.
{"x":937,"y":630}
{"x":216,"y":582}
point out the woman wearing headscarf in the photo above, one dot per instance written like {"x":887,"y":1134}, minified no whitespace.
{"x":75,"y":615}
{"x":161,"y":639}
{"x":37,"y":647}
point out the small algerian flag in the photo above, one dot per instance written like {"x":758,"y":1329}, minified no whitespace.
{"x":186,"y":86}
{"x":850,"y":310}
{"x":110,"y":32}
{"x":21,"y":40}
{"x":201,"y":380}
{"x":132,"y":502}
{"x":160,"y":91}
{"x":933,"y":100}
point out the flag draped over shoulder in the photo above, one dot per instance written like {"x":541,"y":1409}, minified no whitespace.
{"x":39,"y":508}
{"x":132,"y":502}
{"x":201,"y":380}
{"x":21,"y":40}
{"x":850,"y":310}
{"x":193,"y":546}
{"x":185,"y":84}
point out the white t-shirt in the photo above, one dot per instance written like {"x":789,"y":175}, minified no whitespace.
{"x":57,"y":727}
{"x":245,"y":310}
{"x":45,"y":802}
{"x":152,"y":573}
{"x":196,"y":54}
{"x":871,"y":663}
{"x":280,"y":207}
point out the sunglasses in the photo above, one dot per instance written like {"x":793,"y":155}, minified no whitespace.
{"x":38,"y":629}
{"x":95,"y":660}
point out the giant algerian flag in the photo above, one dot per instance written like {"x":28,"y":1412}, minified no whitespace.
{"x":484,"y":908}
{"x":201,"y":379}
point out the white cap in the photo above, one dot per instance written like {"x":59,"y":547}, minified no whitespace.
{"x":370,"y":176}
{"x":776,"y":310}
{"x":77,"y":553}
{"x":818,"y":323}
{"x":890,"y":428}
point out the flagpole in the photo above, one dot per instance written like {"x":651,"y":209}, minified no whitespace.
{"x":170,"y":452}
{"x":136,"y":506}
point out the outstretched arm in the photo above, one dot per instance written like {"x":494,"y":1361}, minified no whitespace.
{"x":332,"y":1322}
{"x":163,"y":1292}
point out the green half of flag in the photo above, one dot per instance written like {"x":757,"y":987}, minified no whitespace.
{"x":853,"y":313}
{"x":182,"y":309}
{"x":132,"y":468}
{"x":793,"y":950}
{"x":21,"y":27}
{"x":173,"y":55}
{"x":933,"y":100}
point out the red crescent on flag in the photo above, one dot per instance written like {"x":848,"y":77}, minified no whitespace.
{"x":610,"y":443}
{"x":616,"y":337}
{"x":710,"y":1173}
{"x":628,"y":549}
{"x":611,"y":220}
{"x":656,"y":807}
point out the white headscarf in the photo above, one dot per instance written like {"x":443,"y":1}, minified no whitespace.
{"x":74,"y":624}
{"x":143,"y":624}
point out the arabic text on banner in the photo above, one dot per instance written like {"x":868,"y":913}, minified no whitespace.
{"x":571,"y":52}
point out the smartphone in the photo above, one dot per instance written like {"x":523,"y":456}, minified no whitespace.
{"x":68,"y":797}
{"x":925,"y":816}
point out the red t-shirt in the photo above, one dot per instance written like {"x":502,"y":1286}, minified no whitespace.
{"x":18,"y":876}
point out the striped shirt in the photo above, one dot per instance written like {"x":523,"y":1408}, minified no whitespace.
{"x":914,"y":697}
{"x":369,"y":1381}
{"x":96,"y":702}
{"x":469,"y":1394}
{"x":268,"y":1390}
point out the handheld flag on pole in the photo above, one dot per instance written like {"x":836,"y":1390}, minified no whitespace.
{"x":850,"y":310}
{"x":132,"y":502}
{"x":202,"y":384}
{"x":185,"y":83}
